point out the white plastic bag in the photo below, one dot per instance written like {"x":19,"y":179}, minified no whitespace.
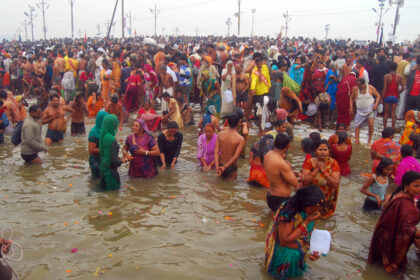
{"x":320,"y":241}
{"x":228,"y":95}
{"x":399,"y":112}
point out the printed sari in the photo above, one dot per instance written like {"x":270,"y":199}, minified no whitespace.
{"x":283,"y":262}
{"x":330,"y":193}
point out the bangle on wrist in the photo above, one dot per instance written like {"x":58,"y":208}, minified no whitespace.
{"x":147,"y":153}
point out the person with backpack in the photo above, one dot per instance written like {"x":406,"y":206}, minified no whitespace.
{"x":31,"y":143}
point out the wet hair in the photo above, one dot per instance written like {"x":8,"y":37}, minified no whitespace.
{"x":342,"y":137}
{"x":233,"y":119}
{"x":105,"y":61}
{"x":165,"y":94}
{"x":279,"y":123}
{"x":210,"y":125}
{"x":307,"y":145}
{"x":385,"y":162}
{"x":173,"y":124}
{"x":323,"y":141}
{"x":240,"y":112}
{"x":315,"y":137}
{"x":124,"y":64}
{"x":409,"y":177}
{"x":54,"y":95}
{"x":361,"y":80}
{"x":33,"y":108}
{"x":304,"y":197}
{"x":3,"y":94}
{"x":282,"y":141}
{"x":78,"y":96}
{"x":388,"y":132}
{"x":340,"y":125}
{"x":406,"y":151}
{"x":393,"y":66}
{"x":1,"y":103}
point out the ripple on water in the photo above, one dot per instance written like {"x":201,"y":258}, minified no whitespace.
{"x":183,"y":224}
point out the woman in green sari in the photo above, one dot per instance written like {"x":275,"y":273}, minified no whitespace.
{"x":108,"y":148}
{"x":289,"y":235}
{"x":94,"y":136}
{"x":210,"y":90}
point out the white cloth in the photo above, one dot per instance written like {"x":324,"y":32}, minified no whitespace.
{"x":172,"y":73}
{"x":227,"y":106}
{"x":164,"y":105}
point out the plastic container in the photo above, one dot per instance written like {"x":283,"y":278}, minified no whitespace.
{"x":320,"y":241}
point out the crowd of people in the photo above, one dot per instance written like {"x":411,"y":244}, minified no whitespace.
{"x":270,"y":85}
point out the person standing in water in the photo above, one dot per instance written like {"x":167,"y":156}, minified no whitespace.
{"x":228,"y":149}
{"x":31,"y":143}
{"x":93,"y":148}
{"x":54,"y":117}
{"x":279,"y":173}
{"x":108,"y":150}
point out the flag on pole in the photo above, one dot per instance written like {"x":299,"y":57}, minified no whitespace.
{"x":135,"y":33}
{"x":85,"y":37}
{"x":377,"y":30}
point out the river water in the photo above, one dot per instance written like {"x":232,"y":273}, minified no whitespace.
{"x":183,"y":224}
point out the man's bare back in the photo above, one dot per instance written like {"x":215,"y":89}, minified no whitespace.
{"x":60,"y":63}
{"x":279,"y":174}
{"x":229,"y":144}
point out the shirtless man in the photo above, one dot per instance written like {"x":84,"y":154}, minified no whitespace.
{"x":115,"y":108}
{"x":11,"y":110}
{"x":229,"y":143}
{"x":54,"y":117}
{"x":78,"y":116}
{"x":39,"y":67}
{"x":279,"y":173}
{"x":242,"y":87}
{"x":60,"y":64}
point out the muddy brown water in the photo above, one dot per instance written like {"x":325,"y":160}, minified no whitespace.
{"x":173,"y":226}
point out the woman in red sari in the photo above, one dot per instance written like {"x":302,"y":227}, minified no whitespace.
{"x":341,"y":152}
{"x":149,"y":116}
{"x":131,"y":100}
{"x":342,"y":98}
{"x":396,"y":228}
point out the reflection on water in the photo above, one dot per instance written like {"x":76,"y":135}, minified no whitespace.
{"x":183,"y":224}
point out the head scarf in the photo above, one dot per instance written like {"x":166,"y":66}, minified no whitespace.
{"x":108,"y":130}
{"x":95,"y":132}
{"x":143,"y":125}
{"x":304,"y":197}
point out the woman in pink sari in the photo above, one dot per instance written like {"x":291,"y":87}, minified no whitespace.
{"x":151,"y":83}
{"x":205,"y":147}
{"x":131,"y":100}
{"x":407,"y":163}
{"x":149,"y":116}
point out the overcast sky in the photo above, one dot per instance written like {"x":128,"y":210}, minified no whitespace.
{"x":348,"y":19}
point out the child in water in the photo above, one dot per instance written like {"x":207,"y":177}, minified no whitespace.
{"x":377,"y":185}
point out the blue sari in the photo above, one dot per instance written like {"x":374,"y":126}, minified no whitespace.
{"x":332,"y":86}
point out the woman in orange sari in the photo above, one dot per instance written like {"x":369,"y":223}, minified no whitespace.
{"x":115,"y":81}
{"x":105,"y":79}
{"x":323,"y":172}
